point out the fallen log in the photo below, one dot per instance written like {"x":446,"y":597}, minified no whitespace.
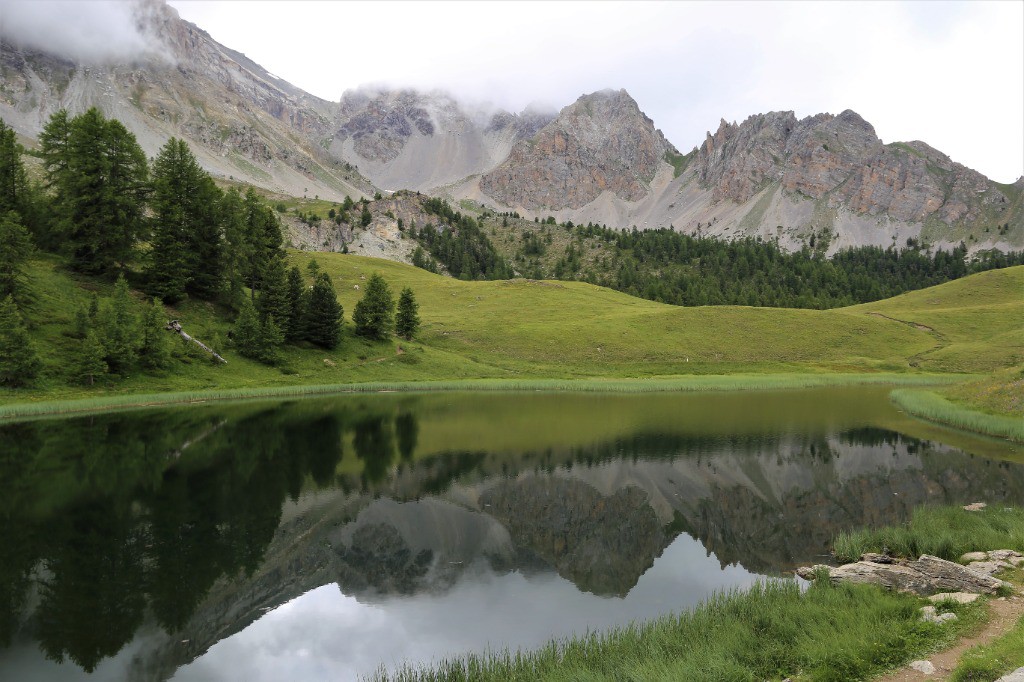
{"x":175,"y":326}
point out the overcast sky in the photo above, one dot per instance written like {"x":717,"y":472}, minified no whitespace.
{"x":948,"y":73}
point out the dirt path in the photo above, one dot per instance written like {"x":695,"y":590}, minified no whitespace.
{"x":1003,"y":615}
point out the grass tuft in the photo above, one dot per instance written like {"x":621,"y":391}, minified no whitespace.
{"x":945,"y":532}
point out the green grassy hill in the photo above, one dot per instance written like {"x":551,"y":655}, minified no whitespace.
{"x":527,"y":329}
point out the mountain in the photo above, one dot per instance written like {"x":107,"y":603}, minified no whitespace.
{"x":404,"y":139}
{"x":242,"y":122}
{"x":600,"y":159}
{"x":601,"y":143}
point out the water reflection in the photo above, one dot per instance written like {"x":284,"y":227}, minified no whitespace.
{"x":160,"y":534}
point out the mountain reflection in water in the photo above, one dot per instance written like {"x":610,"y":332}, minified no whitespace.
{"x":133,"y":543}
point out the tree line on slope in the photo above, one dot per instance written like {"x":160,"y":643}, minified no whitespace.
{"x":168,"y":229}
{"x":670,"y":267}
{"x":679,"y":269}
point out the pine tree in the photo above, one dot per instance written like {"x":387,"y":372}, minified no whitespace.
{"x":82,"y":323}
{"x":119,"y":329}
{"x":323,"y":314}
{"x":407,"y":321}
{"x":297,"y":303}
{"x":154,"y":352}
{"x":237,"y":247}
{"x":207,"y":243}
{"x":99,"y":175}
{"x":374,"y":314}
{"x":187,"y":227}
{"x":19,"y":364}
{"x":270,"y":339}
{"x":263,"y":234}
{"x":274,"y":295}
{"x":365,"y":218}
{"x":15,"y":248}
{"x":14,"y":187}
{"x":88,"y":362}
{"x":246,"y":332}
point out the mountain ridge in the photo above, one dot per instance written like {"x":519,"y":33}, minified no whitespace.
{"x":599,"y":159}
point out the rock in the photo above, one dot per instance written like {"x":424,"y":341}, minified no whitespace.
{"x":925,"y":667}
{"x":930,"y":615}
{"x":925,"y":576}
{"x":877,"y":558}
{"x":973,"y":556}
{"x":975,"y":506}
{"x":1016,"y":676}
{"x":810,"y":572}
{"x":1004,"y":555}
{"x":989,"y":567}
{"x":958,"y":597}
{"x":602,"y":142}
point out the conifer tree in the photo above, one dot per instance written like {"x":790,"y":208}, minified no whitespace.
{"x":270,"y":339}
{"x":175,"y":179}
{"x":99,"y":175}
{"x":297,"y":296}
{"x":407,"y":320}
{"x":274,"y":295}
{"x":374,"y":314}
{"x":237,"y":247}
{"x":246,"y":332}
{"x":19,"y":364}
{"x":14,"y":186}
{"x":323,"y":313}
{"x":15,"y":248}
{"x":263,"y":233}
{"x":89,"y":361}
{"x":119,"y":329}
{"x":82,"y":323}
{"x":154,"y":352}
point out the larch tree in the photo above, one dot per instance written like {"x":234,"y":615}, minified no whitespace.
{"x":323,"y":313}
{"x":19,"y":364}
{"x":407,"y":320}
{"x":15,"y":248}
{"x":99,"y":175}
{"x":374,"y":314}
{"x":187,"y":237}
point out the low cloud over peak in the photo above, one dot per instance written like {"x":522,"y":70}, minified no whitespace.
{"x":88,"y":31}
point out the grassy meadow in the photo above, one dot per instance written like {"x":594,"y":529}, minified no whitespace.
{"x":511,"y":332}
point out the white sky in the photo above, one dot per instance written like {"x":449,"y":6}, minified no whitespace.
{"x":948,"y":73}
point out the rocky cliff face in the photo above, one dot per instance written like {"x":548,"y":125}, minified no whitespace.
{"x":602,"y":142}
{"x":841,"y":160}
{"x":242,"y":121}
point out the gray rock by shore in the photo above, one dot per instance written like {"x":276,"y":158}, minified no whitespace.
{"x":928,"y":575}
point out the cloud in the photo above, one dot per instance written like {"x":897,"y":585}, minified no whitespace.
{"x":88,"y":31}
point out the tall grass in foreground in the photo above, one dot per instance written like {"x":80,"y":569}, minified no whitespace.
{"x":946,"y":532}
{"x":931,"y":406}
{"x":770,"y":632}
{"x":734,"y":382}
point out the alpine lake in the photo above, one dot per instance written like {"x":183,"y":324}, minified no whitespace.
{"x":323,"y":538}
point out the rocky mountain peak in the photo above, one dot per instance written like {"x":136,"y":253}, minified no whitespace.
{"x":601,"y":142}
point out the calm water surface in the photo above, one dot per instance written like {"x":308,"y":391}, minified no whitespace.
{"x":320,"y":539}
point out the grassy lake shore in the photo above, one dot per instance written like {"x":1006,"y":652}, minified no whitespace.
{"x":733,"y":382}
{"x":775,"y":630}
